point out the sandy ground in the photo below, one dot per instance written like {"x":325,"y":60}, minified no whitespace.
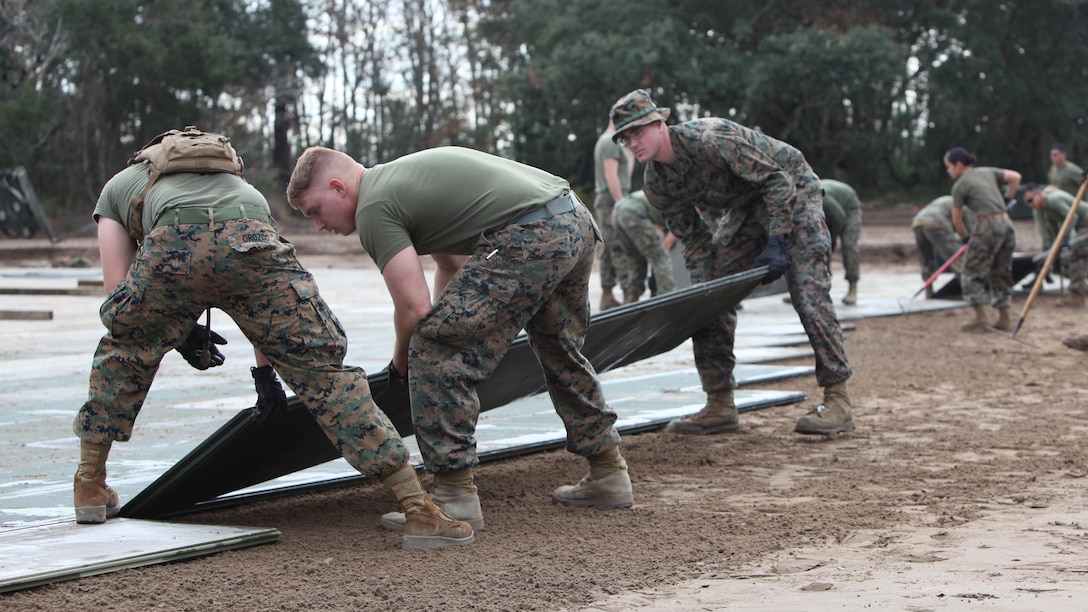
{"x":963,"y":487}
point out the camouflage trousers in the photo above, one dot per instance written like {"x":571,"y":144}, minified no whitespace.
{"x":244,"y":268}
{"x":851,"y":253}
{"x":603,"y":205}
{"x":638,"y":243}
{"x":987,"y":265}
{"x":1074,"y":260}
{"x":936,"y":243}
{"x":808,"y":279}
{"x":537,"y":280}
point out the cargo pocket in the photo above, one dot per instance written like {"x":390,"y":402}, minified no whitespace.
{"x":554,"y":241}
{"x":119,"y":310}
{"x":334,"y":339}
{"x":469,"y":307}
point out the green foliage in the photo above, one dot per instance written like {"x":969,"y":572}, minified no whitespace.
{"x":1013,"y":84}
{"x":130,"y":69}
{"x":872,"y":91}
{"x":836,"y":105}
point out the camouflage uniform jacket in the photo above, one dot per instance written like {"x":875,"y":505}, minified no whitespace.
{"x":721,"y":164}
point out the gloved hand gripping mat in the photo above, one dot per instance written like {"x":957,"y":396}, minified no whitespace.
{"x":240,"y":454}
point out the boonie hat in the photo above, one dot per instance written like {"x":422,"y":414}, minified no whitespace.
{"x":635,"y":109}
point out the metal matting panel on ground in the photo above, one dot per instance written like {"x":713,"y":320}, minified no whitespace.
{"x":1022,"y":266}
{"x":640,"y":409}
{"x":241,"y":455}
{"x":47,"y":553}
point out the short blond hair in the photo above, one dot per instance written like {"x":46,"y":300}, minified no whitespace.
{"x":309,"y":167}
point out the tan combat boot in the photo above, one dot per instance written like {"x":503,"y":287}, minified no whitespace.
{"x":1004,"y":321}
{"x":94,"y":500}
{"x":834,"y":416}
{"x":608,"y":300}
{"x":851,"y":296}
{"x":980,"y":322}
{"x":455,"y":493}
{"x":425,"y":526}
{"x":718,"y":416}
{"x":1076,"y":342}
{"x":608,"y":485}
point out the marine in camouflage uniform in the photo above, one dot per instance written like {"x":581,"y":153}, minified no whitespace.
{"x":987,"y":266}
{"x":514,"y":250}
{"x":611,"y":183}
{"x":936,"y":238}
{"x":772,"y":204}
{"x":211,"y":242}
{"x":1050,"y":206}
{"x":844,"y":204}
{"x":637,"y":225}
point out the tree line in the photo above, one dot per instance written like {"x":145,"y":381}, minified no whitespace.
{"x":872,"y":91}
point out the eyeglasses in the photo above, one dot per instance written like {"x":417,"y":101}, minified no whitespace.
{"x":629,"y":135}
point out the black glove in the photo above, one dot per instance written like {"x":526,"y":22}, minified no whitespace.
{"x":396,"y":379}
{"x":391,"y":389}
{"x":776,"y":257}
{"x":194,"y":351}
{"x":271,"y":400}
{"x":391,"y":382}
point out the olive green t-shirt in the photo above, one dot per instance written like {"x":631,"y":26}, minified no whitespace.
{"x":606,"y":149}
{"x":170,"y":192}
{"x":844,"y":194}
{"x":979,"y":190}
{"x":1067,"y":177}
{"x":441,"y":200}
{"x":939,"y":213}
{"x":1049,"y":220}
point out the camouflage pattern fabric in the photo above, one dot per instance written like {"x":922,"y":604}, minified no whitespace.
{"x":851,"y":252}
{"x":246,"y":269}
{"x":849,"y":232}
{"x":638,"y":243}
{"x":936,"y":237}
{"x":765,"y":187}
{"x":603,"y":205}
{"x":1074,"y":260}
{"x":537,"y":278}
{"x":988,"y":261}
{"x":845,"y":227}
{"x":936,"y":243}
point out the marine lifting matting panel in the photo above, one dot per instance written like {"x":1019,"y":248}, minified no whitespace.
{"x":1022,"y":266}
{"x":240,"y":454}
{"x":530,"y":425}
{"x":47,"y":553}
